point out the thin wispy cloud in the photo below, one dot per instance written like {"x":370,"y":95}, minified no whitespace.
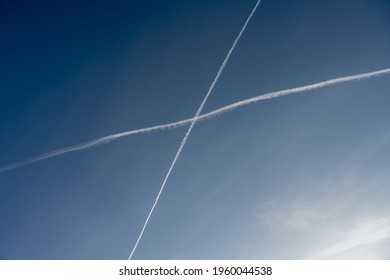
{"x":109,"y":138}
{"x":360,"y":237}
{"x":343,"y":216}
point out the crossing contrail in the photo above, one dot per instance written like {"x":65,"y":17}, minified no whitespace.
{"x":222,"y":110}
{"x":193,"y":121}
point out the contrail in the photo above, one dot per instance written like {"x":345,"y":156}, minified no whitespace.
{"x":222,"y":110}
{"x":193,"y":121}
{"x":284,"y":92}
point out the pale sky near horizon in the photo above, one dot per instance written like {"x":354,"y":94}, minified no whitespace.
{"x":299,"y":177}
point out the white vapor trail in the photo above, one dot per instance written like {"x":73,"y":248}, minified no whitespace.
{"x":222,"y":110}
{"x":193,"y":121}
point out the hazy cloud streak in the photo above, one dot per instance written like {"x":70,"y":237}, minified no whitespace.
{"x":365,"y":233}
{"x":222,"y":110}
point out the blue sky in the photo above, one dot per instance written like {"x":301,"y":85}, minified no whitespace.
{"x":299,"y":177}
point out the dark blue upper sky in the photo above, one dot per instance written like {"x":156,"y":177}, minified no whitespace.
{"x":304,"y":176}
